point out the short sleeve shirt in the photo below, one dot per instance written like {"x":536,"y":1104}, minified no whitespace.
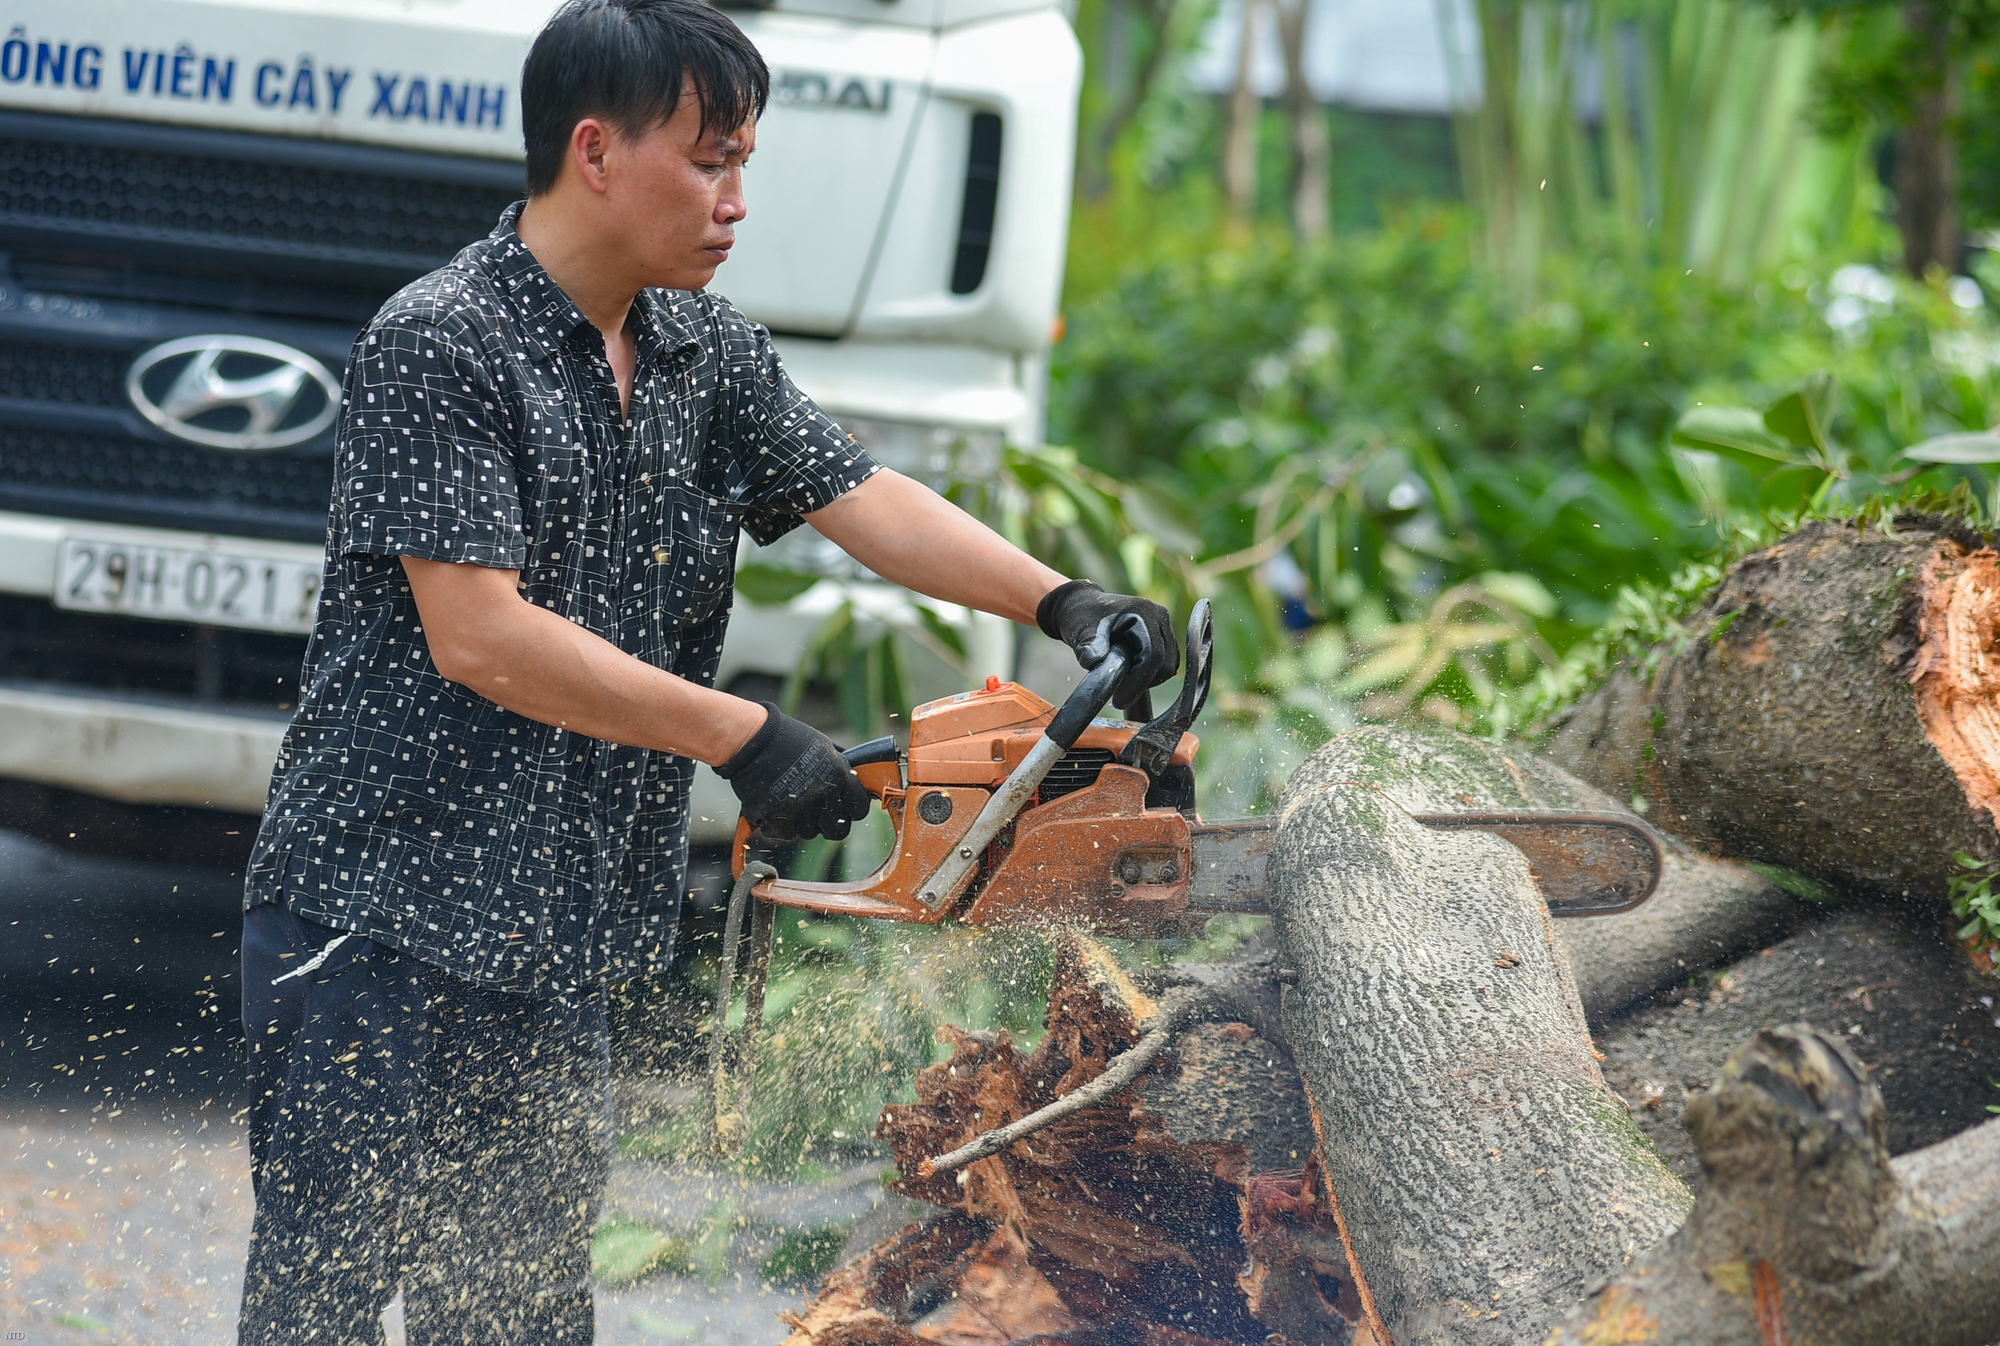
{"x":480,"y":424}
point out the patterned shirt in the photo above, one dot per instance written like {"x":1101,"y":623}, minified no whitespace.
{"x":480,"y":424}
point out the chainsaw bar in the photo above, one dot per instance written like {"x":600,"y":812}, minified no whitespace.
{"x":1585,"y":864}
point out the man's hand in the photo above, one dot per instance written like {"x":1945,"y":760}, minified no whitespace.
{"x":1076,"y":613}
{"x":793,"y":781}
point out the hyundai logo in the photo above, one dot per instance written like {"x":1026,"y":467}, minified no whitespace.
{"x":233,"y":392}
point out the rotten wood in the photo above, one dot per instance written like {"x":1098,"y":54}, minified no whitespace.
{"x":1182,"y":1209}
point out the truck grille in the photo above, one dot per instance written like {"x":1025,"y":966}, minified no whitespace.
{"x":41,"y":644}
{"x":82,"y":183}
{"x":132,"y":480}
{"x":41,"y":371}
{"x":115,"y":236}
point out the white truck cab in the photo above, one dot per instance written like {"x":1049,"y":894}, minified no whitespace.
{"x":201,"y":202}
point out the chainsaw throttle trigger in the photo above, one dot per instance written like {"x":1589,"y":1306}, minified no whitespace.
{"x":1152,"y":748}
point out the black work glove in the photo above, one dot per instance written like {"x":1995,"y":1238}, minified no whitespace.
{"x":793,"y":782}
{"x":1077,"y":614}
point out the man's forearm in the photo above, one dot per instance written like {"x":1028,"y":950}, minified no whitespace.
{"x":909,"y":535}
{"x":484,"y":636}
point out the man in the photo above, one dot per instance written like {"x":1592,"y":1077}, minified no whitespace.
{"x":547,"y":450}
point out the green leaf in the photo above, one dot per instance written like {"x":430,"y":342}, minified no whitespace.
{"x":1790,"y":486}
{"x":1737,"y":433}
{"x":1523,"y":593}
{"x":950,"y":636}
{"x":1797,"y":884}
{"x":625,"y":1251}
{"x":1980,"y":447}
{"x":770,"y":585}
{"x":82,"y":1322}
{"x":1801,"y":418}
{"x":806,"y":1254}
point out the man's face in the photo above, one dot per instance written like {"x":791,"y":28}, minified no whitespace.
{"x":677,"y":192}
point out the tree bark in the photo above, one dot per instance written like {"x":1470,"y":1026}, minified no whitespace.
{"x":1311,"y":185}
{"x":1891,"y":983}
{"x":1417,"y":1143}
{"x":1926,"y":174}
{"x":1833,"y":707}
{"x":1484,"y":1173}
{"x":1239,"y":142}
{"x":1705,"y":912}
{"x":1806,"y":1231}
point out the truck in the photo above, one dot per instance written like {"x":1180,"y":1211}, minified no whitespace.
{"x":202,"y":202}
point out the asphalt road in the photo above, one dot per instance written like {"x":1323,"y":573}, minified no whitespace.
{"x":125,"y":1198}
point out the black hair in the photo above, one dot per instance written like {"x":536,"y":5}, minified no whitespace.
{"x":627,"y":61}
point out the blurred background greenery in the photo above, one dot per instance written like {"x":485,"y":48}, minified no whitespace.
{"x":1443,"y":408}
{"x":1414,"y":414}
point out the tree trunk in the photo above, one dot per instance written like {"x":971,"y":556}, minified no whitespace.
{"x":1483,"y":1172}
{"x":1926,"y":152}
{"x":1418,"y":1144}
{"x":1833,"y":707}
{"x":1239,"y":143}
{"x":1705,"y":912}
{"x":1311,"y":185}
{"x":1806,"y":1231}
{"x":1159,"y":18}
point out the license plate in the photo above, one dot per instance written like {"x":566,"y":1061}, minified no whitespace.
{"x":187,"y":584}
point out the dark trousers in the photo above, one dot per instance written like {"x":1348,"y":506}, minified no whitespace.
{"x":413,"y":1130}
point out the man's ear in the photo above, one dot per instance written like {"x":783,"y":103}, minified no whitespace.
{"x":588,"y":142}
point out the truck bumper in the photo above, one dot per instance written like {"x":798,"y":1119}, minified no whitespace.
{"x":140,"y":752}
{"x":146,"y":752}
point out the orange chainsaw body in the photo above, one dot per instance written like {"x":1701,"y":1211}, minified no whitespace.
{"x":1087,"y":850}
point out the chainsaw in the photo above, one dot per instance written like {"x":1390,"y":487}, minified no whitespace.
{"x":1010,"y":811}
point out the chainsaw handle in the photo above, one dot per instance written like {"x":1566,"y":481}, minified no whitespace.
{"x":1129,"y":643}
{"x":877,"y":762}
{"x":1091,"y":696}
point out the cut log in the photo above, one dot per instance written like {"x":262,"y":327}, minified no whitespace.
{"x":1807,"y":1232}
{"x":1891,"y":983}
{"x":1483,"y":1172}
{"x":1184,"y":1209}
{"x":1705,"y":912}
{"x":1833,"y":707}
